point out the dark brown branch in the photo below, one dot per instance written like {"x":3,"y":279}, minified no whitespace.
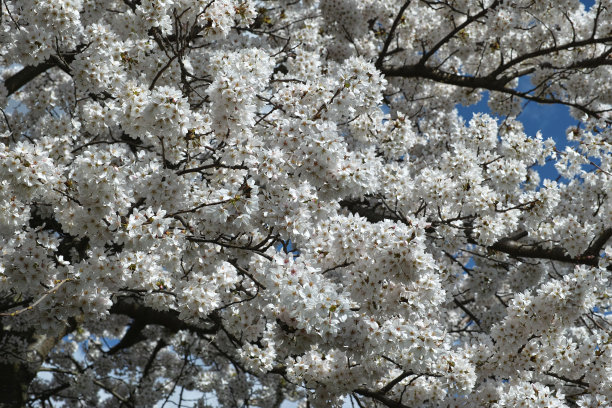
{"x":47,"y":394}
{"x":599,"y":243}
{"x":487,"y":82}
{"x":461,"y":305}
{"x":160,"y":345}
{"x":521,"y":250}
{"x":15,"y":377}
{"x":548,"y":51}
{"x":258,"y":249}
{"x":21,"y":78}
{"x":578,"y":382}
{"x":33,"y":305}
{"x":215,"y":165}
{"x":124,"y":400}
{"x":385,"y":50}
{"x":455,"y":31}
{"x":128,"y":306}
{"x":380,"y":398}
{"x":494,"y":81}
{"x":27,"y":74}
{"x":394,"y":382}
{"x":246,"y":273}
{"x":509,"y":245}
{"x":333,"y":268}
{"x":132,"y":336}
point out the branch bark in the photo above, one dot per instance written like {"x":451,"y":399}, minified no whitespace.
{"x":144,"y":315}
{"x":497,"y":79}
{"x":509,"y":245}
{"x":16,"y":376}
{"x":380,"y":398}
{"x":27,"y":74}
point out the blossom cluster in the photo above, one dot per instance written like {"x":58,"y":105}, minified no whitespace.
{"x":261,"y":201}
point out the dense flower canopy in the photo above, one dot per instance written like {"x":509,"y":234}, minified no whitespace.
{"x":237,"y":203}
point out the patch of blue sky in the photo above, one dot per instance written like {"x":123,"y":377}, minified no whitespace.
{"x":604,"y":310}
{"x":588,"y":3}
{"x":287,"y":247}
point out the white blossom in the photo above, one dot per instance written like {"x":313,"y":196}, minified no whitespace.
{"x":248,"y":203}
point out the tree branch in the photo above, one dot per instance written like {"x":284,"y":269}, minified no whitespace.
{"x":455,"y":31}
{"x":128,"y":306}
{"x":396,"y":22}
{"x":27,"y":74}
{"x":380,"y":398}
{"x":509,"y":245}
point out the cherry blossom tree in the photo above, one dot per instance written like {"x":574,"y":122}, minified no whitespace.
{"x":259,"y":201}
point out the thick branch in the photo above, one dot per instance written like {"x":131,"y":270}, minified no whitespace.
{"x":27,"y":74}
{"x":21,"y":78}
{"x":394,"y":382}
{"x":521,"y":250}
{"x":456,"y":30}
{"x":380,"y":397}
{"x":598,"y":244}
{"x":145,"y":315}
{"x":15,"y":377}
{"x":132,"y":336}
{"x":578,"y":382}
{"x":495,"y":81}
{"x":509,"y":245}
{"x":385,"y":50}
{"x":548,"y":51}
